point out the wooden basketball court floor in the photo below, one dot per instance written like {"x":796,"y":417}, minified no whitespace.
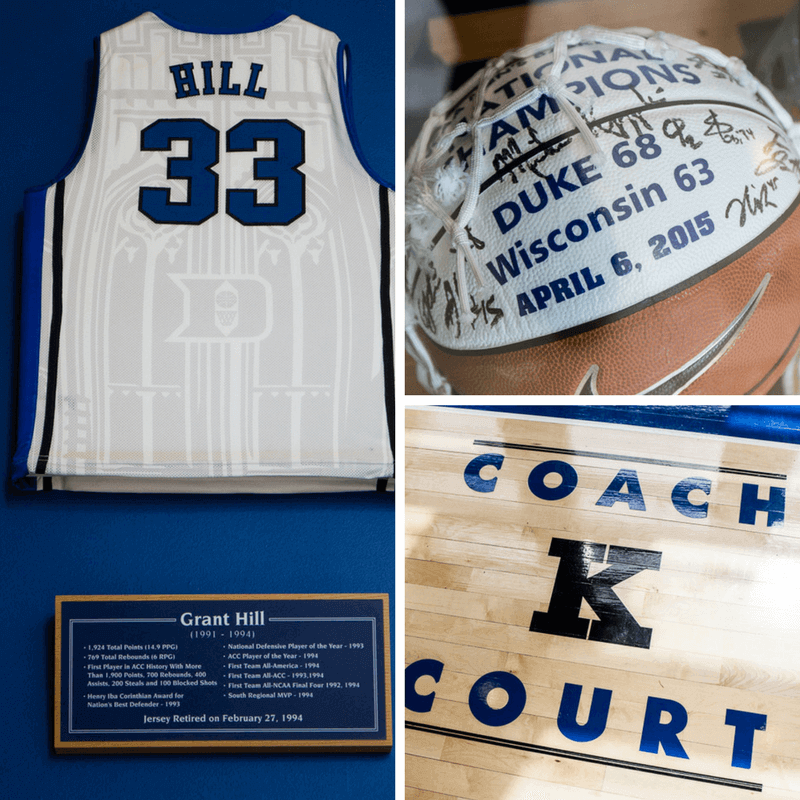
{"x":599,"y":611}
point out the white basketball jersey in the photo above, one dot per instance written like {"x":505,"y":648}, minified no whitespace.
{"x":207,"y":293}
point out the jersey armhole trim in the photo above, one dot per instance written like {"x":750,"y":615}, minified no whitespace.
{"x":33,"y":220}
{"x":273,"y":19}
{"x":346,"y":99}
{"x":94,"y":89}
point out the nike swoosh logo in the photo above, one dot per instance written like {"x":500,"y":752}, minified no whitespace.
{"x":679,"y":380}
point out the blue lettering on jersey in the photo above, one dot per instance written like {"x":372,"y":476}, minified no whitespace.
{"x":186,"y":85}
{"x":226,"y":87}
{"x":251,"y":90}
{"x":281,"y":169}
{"x":183,"y":75}
{"x":195,"y":169}
{"x":208,"y":79}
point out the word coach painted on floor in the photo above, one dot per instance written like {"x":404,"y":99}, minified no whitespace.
{"x":625,"y":489}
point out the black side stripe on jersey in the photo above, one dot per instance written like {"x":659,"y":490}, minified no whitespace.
{"x":386,"y":307}
{"x":55,"y":330}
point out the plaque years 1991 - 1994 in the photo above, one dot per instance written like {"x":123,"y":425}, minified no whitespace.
{"x":211,"y":672}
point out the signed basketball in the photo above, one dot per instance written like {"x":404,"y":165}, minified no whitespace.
{"x":605,"y":212}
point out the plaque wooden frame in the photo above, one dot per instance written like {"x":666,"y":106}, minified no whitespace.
{"x":380,"y":744}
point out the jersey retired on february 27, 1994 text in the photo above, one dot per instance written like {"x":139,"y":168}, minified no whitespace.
{"x":207,"y":292}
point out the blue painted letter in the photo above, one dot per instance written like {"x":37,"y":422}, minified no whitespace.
{"x":472,"y":474}
{"x":746,"y":724}
{"x":483,"y":712}
{"x":421,"y":703}
{"x":751,"y":503}
{"x":655,"y":732}
{"x":568,"y":713}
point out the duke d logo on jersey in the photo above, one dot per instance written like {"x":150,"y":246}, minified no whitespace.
{"x":223,"y":309}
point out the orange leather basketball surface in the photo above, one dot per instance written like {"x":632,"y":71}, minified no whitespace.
{"x":638,"y":351}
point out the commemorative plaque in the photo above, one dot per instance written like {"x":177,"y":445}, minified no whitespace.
{"x":204,"y":673}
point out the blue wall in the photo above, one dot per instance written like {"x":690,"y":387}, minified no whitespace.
{"x":60,"y":543}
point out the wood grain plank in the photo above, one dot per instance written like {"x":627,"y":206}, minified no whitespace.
{"x":721,"y":605}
